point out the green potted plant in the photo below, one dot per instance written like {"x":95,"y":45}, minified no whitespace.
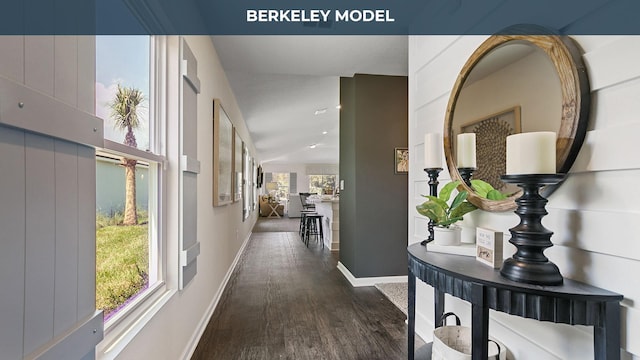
{"x":486,"y":190}
{"x":444,"y":215}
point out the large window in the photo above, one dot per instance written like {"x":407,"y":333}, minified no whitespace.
{"x":129,"y":174}
{"x":322,"y":184}
{"x":282,"y":192}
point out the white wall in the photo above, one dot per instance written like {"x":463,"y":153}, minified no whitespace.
{"x":174,"y":331}
{"x":593,"y":215}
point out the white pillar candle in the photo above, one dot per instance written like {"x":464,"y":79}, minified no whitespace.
{"x":466,"y":151}
{"x":531,"y":153}
{"x":432,"y":150}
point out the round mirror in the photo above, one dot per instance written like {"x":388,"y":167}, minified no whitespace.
{"x":511,"y":84}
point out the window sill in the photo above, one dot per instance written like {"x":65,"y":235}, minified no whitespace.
{"x":121,"y":329}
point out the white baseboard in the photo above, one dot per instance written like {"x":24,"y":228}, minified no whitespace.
{"x":368,"y":281}
{"x":195,"y":339}
{"x":424,"y":327}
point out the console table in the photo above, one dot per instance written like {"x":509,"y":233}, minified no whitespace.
{"x":571,"y":303}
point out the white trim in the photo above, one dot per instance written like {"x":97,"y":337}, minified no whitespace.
{"x":424,"y":327}
{"x":113,"y":147}
{"x":202,"y":325}
{"x":334,"y":246}
{"x":117,"y":339}
{"x":368,"y":281}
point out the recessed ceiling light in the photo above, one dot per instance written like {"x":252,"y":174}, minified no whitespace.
{"x":338,"y":106}
{"x":320,"y":111}
{"x":324,"y":133}
{"x":313,"y":146}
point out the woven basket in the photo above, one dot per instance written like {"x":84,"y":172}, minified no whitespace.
{"x":454,"y":343}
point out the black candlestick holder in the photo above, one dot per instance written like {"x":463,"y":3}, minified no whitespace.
{"x":528,"y":264}
{"x":466,"y":173}
{"x":433,"y":191}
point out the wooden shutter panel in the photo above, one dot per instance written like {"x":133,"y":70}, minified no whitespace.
{"x":189,"y":166}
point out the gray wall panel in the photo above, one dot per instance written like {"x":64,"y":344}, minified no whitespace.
{"x":65,"y":86}
{"x":190,"y":167}
{"x":12,"y":237}
{"x":40,"y":241}
{"x":66,"y":229}
{"x":12,"y":57}
{"x":373,"y":214}
{"x":39,"y":63}
{"x":86,"y":231}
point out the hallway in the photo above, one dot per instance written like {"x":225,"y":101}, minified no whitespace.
{"x":286,"y":301}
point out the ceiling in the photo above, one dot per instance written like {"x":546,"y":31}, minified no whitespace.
{"x":288,"y":87}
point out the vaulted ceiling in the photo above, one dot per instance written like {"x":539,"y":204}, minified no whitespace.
{"x":287,"y":87}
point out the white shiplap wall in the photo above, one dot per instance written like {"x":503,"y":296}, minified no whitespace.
{"x":47,"y":198}
{"x":595,"y":215}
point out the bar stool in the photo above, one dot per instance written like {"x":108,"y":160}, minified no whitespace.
{"x":303,"y":223}
{"x":313,"y":228}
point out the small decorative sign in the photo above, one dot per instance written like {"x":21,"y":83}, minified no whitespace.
{"x":489,"y":247}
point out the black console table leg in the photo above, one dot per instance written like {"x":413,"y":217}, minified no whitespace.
{"x":479,"y":323}
{"x":438,"y":299}
{"x":606,"y":338}
{"x":411,"y":309}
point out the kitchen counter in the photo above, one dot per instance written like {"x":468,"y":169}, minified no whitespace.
{"x":329,"y":208}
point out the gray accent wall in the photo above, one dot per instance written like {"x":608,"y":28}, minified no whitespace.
{"x":373,"y":203}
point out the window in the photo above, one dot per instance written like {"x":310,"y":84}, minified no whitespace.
{"x":322,"y":184}
{"x":282,"y":179}
{"x":129,"y":175}
{"x":123,"y":61}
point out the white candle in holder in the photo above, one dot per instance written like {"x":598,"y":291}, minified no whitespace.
{"x":531,"y":153}
{"x":466,"y":150}
{"x":432,"y":150}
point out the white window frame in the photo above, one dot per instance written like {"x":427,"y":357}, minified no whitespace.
{"x":122,"y":327}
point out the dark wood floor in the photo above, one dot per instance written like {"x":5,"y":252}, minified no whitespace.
{"x":286,"y":301}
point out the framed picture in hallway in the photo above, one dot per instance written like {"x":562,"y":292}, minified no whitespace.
{"x":237,"y":166}
{"x":402,"y":160}
{"x":222,"y":156}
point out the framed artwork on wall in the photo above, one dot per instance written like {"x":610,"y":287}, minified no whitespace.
{"x":401,"y":160}
{"x":259,"y":177}
{"x":491,"y":143}
{"x":222,"y":156}
{"x":237,"y":166}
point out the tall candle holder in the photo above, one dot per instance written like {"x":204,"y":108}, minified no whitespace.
{"x":433,"y":191}
{"x":466,"y":173}
{"x":528,"y":264}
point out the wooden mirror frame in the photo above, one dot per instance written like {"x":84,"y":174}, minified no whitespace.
{"x":566,"y":57}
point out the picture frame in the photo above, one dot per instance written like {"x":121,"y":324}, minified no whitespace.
{"x":246,"y":186}
{"x":237,"y":166}
{"x":222,"y":156}
{"x":491,"y":134}
{"x":489,"y":247}
{"x":401,"y":162}
{"x":259,"y":177}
